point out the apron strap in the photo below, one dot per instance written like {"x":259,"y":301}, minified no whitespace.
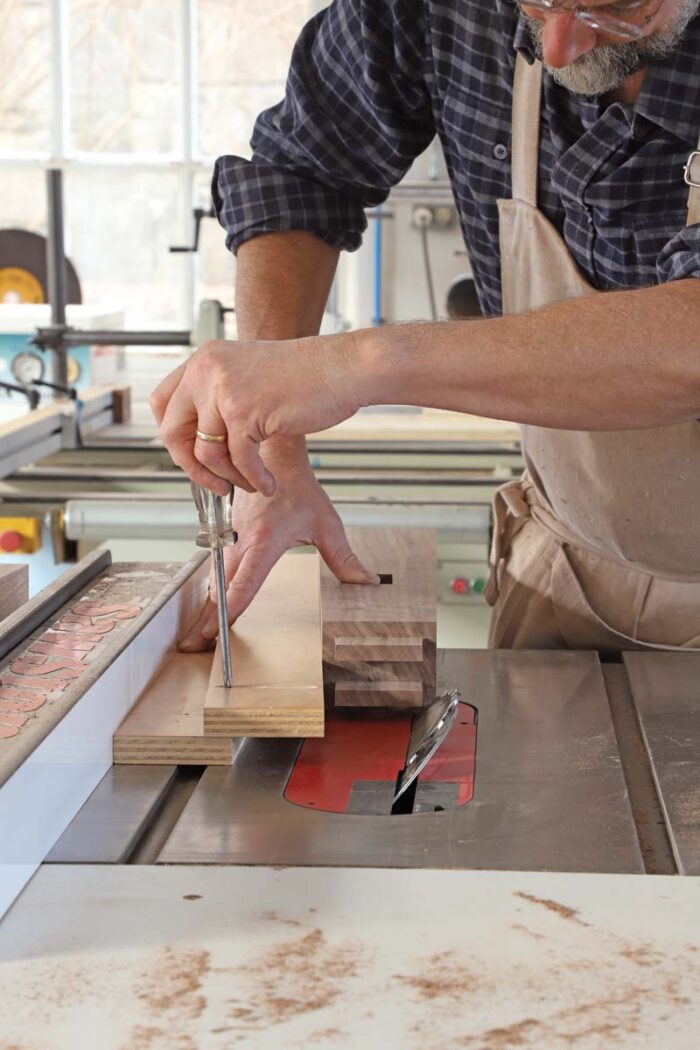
{"x":527,"y":105}
{"x":692,"y":174}
{"x":510,"y":514}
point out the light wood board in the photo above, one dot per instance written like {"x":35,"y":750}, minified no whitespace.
{"x":166,"y":725}
{"x":276,"y":655}
{"x":14,"y":588}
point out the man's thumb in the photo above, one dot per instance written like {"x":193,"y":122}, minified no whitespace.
{"x":344,"y":563}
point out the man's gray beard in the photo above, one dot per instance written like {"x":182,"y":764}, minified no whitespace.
{"x":605,"y":67}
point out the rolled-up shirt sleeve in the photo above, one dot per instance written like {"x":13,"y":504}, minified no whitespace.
{"x":681,"y":256}
{"x":355,"y":115}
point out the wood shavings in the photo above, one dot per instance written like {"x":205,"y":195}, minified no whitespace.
{"x":562,"y":910}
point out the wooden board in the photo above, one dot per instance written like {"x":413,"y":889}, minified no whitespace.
{"x":166,"y":725}
{"x":390,"y":694}
{"x":390,"y":684}
{"x":376,"y":637}
{"x":14,"y":588}
{"x":276,"y":654}
{"x":402,"y":610}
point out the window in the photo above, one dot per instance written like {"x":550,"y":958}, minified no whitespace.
{"x":134,"y":100}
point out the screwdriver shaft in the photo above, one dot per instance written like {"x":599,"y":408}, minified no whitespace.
{"x":224,"y":637}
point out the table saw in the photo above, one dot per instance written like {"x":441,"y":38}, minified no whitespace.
{"x":278,"y":901}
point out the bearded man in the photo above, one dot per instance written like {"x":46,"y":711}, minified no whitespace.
{"x":570,"y":132}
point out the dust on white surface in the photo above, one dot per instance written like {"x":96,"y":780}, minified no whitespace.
{"x":190,"y":958}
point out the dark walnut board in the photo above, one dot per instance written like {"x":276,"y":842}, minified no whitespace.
{"x":379,"y":641}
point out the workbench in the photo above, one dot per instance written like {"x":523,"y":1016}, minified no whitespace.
{"x":214,"y":958}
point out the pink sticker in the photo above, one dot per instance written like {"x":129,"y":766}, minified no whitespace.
{"x":9,"y":718}
{"x":7,"y":731}
{"x":6,"y":704}
{"x":118,"y":612}
{"x":8,"y":692}
{"x":85,"y":631}
{"x":27,"y":666}
{"x":51,"y":649}
{"x":50,"y":685}
{"x":59,"y":660}
{"x":57,"y":638}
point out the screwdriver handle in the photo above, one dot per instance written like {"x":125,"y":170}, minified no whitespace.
{"x":215,"y":518}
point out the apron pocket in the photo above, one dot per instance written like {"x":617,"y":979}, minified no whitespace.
{"x":580,"y":625}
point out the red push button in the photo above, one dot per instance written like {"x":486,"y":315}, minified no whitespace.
{"x":460,"y":585}
{"x":10,"y":541}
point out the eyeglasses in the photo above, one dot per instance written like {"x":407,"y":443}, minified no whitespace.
{"x":608,"y":18}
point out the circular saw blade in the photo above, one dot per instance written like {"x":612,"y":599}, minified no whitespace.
{"x":23,"y":269}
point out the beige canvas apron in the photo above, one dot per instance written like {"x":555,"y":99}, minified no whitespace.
{"x":599,"y":545}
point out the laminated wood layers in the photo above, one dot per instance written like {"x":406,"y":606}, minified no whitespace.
{"x":166,"y":725}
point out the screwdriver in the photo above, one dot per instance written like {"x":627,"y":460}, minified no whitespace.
{"x":216,"y":531}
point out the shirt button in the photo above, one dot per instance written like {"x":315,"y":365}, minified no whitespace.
{"x":500,"y":151}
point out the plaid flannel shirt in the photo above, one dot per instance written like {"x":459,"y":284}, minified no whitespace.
{"x":372,"y":81}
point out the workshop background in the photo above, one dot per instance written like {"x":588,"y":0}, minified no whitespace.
{"x":132,"y":102}
{"x":351,"y":825}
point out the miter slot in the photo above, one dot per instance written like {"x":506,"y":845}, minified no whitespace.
{"x":156,"y":831}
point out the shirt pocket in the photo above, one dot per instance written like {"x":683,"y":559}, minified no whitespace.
{"x":652,"y":236}
{"x":476,"y":137}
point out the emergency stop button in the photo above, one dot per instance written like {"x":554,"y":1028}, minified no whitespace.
{"x":20,"y":535}
{"x":11,"y":541}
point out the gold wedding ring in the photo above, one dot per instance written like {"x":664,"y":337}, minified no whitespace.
{"x":213,"y":439}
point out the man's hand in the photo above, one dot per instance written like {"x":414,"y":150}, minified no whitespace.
{"x":252,"y":392}
{"x":298,"y":513}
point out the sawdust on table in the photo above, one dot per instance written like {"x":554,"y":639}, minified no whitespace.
{"x":325,"y":1036}
{"x":172,"y":989}
{"x":608,"y":983}
{"x":519,"y":927}
{"x":565,"y":912}
{"x":442,"y":976}
{"x":151,"y":1037}
{"x":299,"y":976}
{"x":512,"y":1035}
{"x":273,"y":916}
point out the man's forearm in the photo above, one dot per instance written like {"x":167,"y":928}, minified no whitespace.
{"x":283,"y":281}
{"x":282,"y":285}
{"x":606,"y":362}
